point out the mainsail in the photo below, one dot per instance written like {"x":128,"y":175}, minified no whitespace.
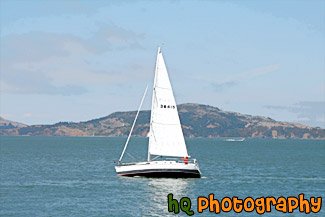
{"x":165,"y":136}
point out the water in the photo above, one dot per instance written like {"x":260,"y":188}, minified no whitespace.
{"x":75,"y":176}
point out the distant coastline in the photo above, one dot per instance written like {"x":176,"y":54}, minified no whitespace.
{"x":197,"y":121}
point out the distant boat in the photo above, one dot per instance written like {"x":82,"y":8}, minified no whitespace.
{"x":166,"y":138}
{"x":236,"y":140}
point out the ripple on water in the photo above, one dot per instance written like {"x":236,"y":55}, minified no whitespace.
{"x":60,"y":176}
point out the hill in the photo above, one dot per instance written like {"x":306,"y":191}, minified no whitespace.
{"x":197,"y":121}
{"x":6,"y":124}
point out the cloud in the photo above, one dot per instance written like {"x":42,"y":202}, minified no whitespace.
{"x":41,"y":87}
{"x":27,"y":115}
{"x":7,"y":116}
{"x":113,"y":37}
{"x":308,"y":112}
{"x":253,"y":73}
{"x":221,"y":86}
{"x":30,"y":115}
{"x":63,"y":64}
{"x":243,"y":76}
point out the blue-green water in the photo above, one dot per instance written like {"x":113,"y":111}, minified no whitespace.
{"x":75,"y":176}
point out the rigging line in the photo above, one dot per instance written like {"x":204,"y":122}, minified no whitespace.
{"x":154,"y":96}
{"x":127,"y":141}
{"x":154,"y":92}
{"x":132,"y":156}
{"x":152,"y":131}
{"x":156,"y":157}
{"x":165,"y":88}
{"x":156,"y":68}
{"x":163,"y":123}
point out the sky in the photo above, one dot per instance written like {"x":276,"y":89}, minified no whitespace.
{"x":76,"y":60}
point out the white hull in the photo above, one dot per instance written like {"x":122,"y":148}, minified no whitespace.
{"x":159,"y":169}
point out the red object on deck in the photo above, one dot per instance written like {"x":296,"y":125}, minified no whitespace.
{"x":185,"y":160}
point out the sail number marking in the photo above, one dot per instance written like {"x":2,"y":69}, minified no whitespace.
{"x":168,"y":106}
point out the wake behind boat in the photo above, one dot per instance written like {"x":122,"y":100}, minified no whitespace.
{"x":235,"y":140}
{"x":166,"y":137}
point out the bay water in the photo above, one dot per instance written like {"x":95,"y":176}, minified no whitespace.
{"x":75,"y":176}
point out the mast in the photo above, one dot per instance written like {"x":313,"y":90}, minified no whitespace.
{"x":152,"y":101}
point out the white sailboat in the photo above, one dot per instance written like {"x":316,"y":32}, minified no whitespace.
{"x":166,"y":138}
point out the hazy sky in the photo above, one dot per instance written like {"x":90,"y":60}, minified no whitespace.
{"x":79,"y":60}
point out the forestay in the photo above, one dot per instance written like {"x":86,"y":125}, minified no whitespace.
{"x":166,"y":136}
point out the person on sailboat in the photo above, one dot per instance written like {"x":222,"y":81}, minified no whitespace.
{"x":185,"y":160}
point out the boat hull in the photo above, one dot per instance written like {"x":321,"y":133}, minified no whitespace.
{"x":167,"y":169}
